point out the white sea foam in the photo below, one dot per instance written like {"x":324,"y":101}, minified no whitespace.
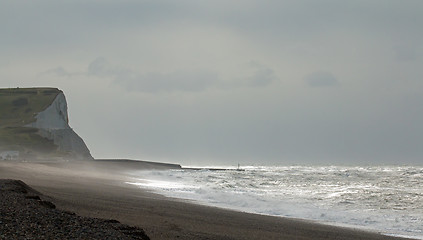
{"x":383,"y":199}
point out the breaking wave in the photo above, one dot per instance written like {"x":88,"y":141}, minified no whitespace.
{"x":384,"y":199}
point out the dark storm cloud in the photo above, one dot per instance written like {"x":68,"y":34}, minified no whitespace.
{"x":192,"y":81}
{"x":321,"y":79}
{"x":152,"y":82}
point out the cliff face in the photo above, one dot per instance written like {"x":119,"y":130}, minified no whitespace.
{"x":52,"y":124}
{"x":34,"y":122}
{"x":54,"y":116}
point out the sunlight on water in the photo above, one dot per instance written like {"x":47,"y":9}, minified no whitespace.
{"x":158,"y":184}
{"x":385,"y":199}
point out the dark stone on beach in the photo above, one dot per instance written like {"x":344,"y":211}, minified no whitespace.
{"x":23,"y":218}
{"x":69,"y":213}
{"x":47,"y":204}
{"x":33,"y":197}
{"x":126,"y":228}
{"x":111,"y":221}
{"x":14,"y":186}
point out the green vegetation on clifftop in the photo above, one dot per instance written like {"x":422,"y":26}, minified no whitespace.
{"x":19,"y":107}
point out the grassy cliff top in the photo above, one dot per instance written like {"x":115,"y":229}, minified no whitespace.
{"x":19,"y":106}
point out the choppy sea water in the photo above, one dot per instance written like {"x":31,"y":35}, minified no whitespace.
{"x":384,"y":199}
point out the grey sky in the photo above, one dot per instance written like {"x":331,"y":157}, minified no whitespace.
{"x":218,"y":82}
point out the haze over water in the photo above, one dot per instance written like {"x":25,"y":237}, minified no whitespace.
{"x":387,"y":199}
{"x":220,"y":82}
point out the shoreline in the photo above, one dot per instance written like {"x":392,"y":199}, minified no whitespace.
{"x":227,"y":190}
{"x":99,"y":191}
{"x":312,"y":221}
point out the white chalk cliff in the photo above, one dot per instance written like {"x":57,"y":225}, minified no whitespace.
{"x":53,"y":124}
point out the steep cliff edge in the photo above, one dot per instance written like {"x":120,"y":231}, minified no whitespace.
{"x":52,"y":124}
{"x":34,"y":122}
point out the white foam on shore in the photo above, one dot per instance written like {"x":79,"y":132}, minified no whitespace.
{"x":158,"y":184}
{"x":382,"y":199}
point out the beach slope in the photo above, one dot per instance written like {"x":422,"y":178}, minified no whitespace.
{"x":89,"y":191}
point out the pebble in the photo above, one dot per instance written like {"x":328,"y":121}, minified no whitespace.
{"x":23,"y":217}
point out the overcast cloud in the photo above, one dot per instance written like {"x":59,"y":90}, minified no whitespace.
{"x":321,"y":79}
{"x":218,"y":82}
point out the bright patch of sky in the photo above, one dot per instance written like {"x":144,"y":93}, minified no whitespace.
{"x":203,"y":82}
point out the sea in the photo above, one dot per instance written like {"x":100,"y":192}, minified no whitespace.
{"x":384,"y":199}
